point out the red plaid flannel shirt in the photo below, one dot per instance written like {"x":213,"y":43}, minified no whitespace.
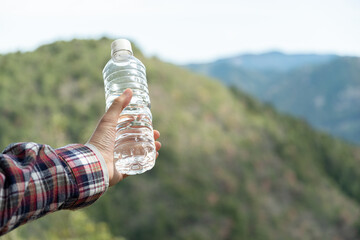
{"x":36,"y":179}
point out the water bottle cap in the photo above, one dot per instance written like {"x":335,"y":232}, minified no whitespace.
{"x":121,"y":44}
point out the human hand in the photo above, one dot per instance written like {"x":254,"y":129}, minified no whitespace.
{"x":103,"y":137}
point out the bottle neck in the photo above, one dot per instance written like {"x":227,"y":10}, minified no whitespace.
{"x":120,"y":55}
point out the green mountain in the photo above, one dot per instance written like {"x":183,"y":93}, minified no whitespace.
{"x":230,"y":167}
{"x":323,"y":89}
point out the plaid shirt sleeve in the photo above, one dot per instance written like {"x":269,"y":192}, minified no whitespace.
{"x":36,"y":179}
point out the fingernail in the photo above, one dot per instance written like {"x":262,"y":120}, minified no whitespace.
{"x":127,"y":92}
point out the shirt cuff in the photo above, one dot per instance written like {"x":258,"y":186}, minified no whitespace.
{"x":102,"y":161}
{"x":87,"y":172}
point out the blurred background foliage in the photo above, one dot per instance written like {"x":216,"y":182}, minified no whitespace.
{"x":230,"y":167}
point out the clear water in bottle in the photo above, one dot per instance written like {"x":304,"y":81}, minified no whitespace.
{"x":135,"y":150}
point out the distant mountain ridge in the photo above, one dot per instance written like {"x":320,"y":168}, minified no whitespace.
{"x":274,"y":61}
{"x":323,"y":89}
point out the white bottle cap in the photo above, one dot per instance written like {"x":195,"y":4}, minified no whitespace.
{"x":121,"y":44}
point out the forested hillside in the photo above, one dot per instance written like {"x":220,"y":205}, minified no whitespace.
{"x":229,"y":168}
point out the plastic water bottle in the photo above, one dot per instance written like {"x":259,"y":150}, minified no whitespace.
{"x":135,"y":150}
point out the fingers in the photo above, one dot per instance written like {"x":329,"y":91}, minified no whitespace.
{"x":156,"y":134}
{"x":157,"y":145}
{"x":118,"y":105}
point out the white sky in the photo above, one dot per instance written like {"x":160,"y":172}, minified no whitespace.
{"x":183,"y":31}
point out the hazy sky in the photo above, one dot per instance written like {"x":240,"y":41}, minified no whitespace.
{"x":188,"y":30}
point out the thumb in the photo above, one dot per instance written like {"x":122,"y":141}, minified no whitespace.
{"x":103,"y":137}
{"x":117,"y":106}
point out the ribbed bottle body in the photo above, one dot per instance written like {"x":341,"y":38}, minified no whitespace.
{"x":135,"y":150}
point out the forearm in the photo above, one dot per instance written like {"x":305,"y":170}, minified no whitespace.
{"x":36,"y":179}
